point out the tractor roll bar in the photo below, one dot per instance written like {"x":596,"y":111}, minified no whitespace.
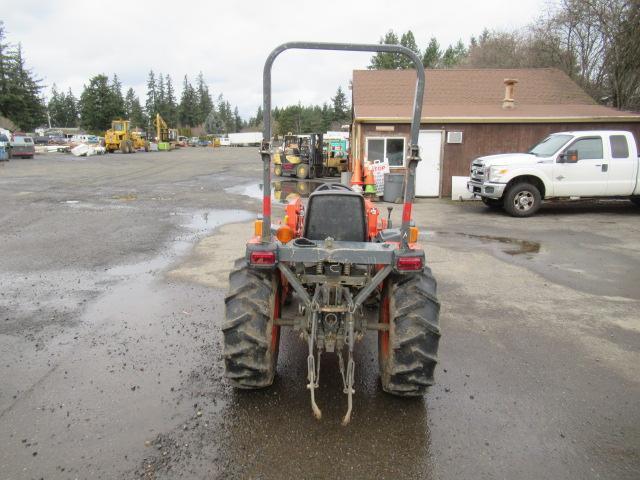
{"x":414,"y":155}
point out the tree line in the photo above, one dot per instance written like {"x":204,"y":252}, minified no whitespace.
{"x":307,"y":118}
{"x":102,"y":101}
{"x":595,"y":42}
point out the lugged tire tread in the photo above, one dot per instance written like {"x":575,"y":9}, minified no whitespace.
{"x":249,"y":360}
{"x":414,"y":334}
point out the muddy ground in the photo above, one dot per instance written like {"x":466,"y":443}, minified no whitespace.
{"x":112,"y":276}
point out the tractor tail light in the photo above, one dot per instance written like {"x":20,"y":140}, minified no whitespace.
{"x":262,"y":258}
{"x":285,"y":234}
{"x":409,"y":264}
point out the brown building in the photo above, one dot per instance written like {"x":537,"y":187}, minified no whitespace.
{"x":468,"y":113}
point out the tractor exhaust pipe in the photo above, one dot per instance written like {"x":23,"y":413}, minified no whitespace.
{"x":414,"y":154}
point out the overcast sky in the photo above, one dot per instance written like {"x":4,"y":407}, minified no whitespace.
{"x":68,"y":41}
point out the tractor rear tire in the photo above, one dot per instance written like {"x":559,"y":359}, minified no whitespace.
{"x":124,"y":147}
{"x":146,"y":146}
{"x":302,"y":171}
{"x":408,"y":351}
{"x":251,"y":338}
{"x":277,"y":170}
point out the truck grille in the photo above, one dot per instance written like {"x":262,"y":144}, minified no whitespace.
{"x":477,"y":172}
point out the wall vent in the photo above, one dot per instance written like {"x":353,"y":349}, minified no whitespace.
{"x":454,"y":137}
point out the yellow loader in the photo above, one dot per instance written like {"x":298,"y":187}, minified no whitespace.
{"x":120,"y":137}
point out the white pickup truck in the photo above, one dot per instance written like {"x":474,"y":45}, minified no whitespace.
{"x":600,"y":163}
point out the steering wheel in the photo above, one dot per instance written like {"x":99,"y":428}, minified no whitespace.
{"x":333,"y":186}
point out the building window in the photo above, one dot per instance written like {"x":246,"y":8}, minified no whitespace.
{"x":379,"y":148}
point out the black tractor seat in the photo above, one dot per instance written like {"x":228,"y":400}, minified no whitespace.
{"x":335,"y":211}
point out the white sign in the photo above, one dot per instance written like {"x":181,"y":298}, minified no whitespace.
{"x":379,"y":168}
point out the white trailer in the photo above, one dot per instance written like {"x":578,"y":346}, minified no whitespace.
{"x":246,"y":139}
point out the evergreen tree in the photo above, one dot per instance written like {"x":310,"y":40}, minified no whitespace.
{"x":383,"y":60}
{"x":151,"y":104}
{"x":340,"y":107}
{"x":205,"y":103}
{"x":257,"y":120}
{"x":7,"y":99}
{"x":33,"y":112}
{"x":170,"y":102}
{"x":237,"y":120}
{"x":161,"y":101}
{"x":128,"y":101}
{"x":117,"y":100}
{"x":133,"y":109}
{"x":409,"y":41}
{"x":213,"y":124}
{"x":63,"y":109}
{"x":20,"y":91}
{"x":454,"y":55}
{"x":56,"y":108}
{"x":70,"y":109}
{"x":188,"y":105}
{"x":230,"y":119}
{"x":432,"y":54}
{"x":97,"y":105}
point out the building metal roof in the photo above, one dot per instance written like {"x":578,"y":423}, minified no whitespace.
{"x":475,"y":95}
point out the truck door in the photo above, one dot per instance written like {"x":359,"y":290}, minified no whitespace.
{"x":586,"y":177}
{"x":623,"y":167}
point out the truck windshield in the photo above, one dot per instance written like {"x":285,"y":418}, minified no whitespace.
{"x":549,"y":145}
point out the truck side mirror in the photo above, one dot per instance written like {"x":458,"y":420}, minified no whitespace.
{"x":570,"y":156}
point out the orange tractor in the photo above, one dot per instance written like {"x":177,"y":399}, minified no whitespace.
{"x":317,"y":269}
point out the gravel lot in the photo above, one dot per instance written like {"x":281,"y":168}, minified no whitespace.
{"x":112,"y":275}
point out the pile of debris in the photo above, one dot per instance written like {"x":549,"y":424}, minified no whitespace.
{"x":87,"y":150}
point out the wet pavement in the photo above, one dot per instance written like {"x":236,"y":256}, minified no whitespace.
{"x":111,"y":286}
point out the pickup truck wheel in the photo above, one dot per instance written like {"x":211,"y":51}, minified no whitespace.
{"x":492,"y":203}
{"x":635,"y":201}
{"x":522,"y":200}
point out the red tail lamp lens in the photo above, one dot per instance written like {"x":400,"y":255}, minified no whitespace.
{"x":262,"y":258}
{"x":409,"y":264}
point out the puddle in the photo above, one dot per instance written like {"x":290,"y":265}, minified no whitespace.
{"x":197,"y":224}
{"x":282,"y":191}
{"x":508,"y":245}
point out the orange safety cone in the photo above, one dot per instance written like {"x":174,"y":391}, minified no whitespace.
{"x":369,"y":179}
{"x":356,"y":177}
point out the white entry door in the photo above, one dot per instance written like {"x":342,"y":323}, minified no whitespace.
{"x":428,"y":170}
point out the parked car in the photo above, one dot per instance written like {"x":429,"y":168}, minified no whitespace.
{"x":204,"y":143}
{"x":22,"y":146}
{"x":57,"y":140}
{"x":4,"y":147}
{"x":599,"y":163}
{"x":89,"y":139}
{"x":193,"y":141}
